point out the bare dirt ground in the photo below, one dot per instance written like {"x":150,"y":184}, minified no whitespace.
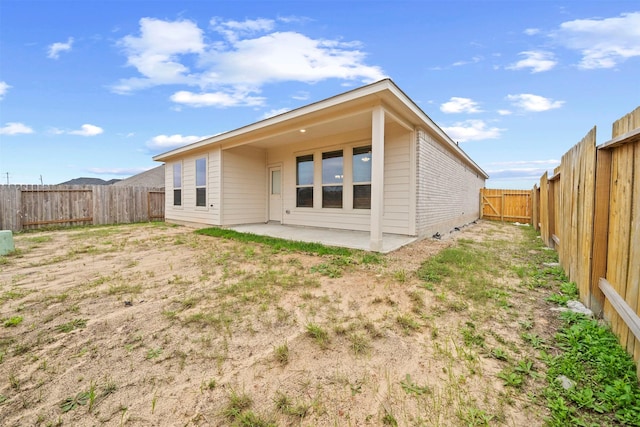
{"x":153,"y":325}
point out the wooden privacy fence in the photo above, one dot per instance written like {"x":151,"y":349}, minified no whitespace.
{"x":589,"y":210}
{"x":24,"y":207}
{"x":506,"y":205}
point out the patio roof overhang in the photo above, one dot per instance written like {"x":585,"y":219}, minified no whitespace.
{"x":345,"y":113}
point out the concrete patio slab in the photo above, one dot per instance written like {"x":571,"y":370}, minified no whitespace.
{"x":326,"y":236}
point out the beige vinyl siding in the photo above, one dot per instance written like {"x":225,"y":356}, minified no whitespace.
{"x":448,"y":191}
{"x":397,"y":182}
{"x":189,"y":184}
{"x":214,"y":186}
{"x":399,"y":169}
{"x":244,"y":181}
{"x":337,"y":220}
{"x":347,"y":219}
{"x":188,"y":212}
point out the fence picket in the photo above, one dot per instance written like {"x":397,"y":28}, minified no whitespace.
{"x":633,"y":279}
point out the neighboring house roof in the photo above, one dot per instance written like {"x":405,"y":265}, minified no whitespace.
{"x":89,"y":181}
{"x":331,"y":116}
{"x":151,"y":178}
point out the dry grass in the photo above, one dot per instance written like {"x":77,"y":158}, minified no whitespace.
{"x":157,"y":325}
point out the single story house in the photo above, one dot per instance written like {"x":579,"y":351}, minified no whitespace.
{"x":368,"y":159}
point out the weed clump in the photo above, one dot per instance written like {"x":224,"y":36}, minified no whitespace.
{"x":602,"y":373}
{"x":319,"y":334}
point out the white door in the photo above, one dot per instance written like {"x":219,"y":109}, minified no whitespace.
{"x":275,"y":194}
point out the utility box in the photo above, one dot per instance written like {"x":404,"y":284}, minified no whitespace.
{"x":6,"y":242}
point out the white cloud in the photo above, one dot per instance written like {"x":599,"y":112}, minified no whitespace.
{"x":603,"y":43}
{"x":504,"y":112}
{"x":287,"y":56}
{"x":56,"y":48}
{"x":532,"y":31}
{"x":87,"y":130}
{"x":273,"y":113}
{"x":516,"y":173}
{"x":232,"y":30}
{"x":4,"y":87}
{"x":473,"y":60}
{"x":537,"y":61}
{"x":521,"y":163}
{"x":301,"y":96}
{"x":215,"y":99}
{"x":117,"y":171}
{"x":294,"y":19}
{"x":534,"y":103}
{"x":233,"y":60}
{"x":156,"y":53}
{"x":520,"y":169}
{"x":472,"y":130}
{"x":460,"y":105}
{"x":169,"y":142}
{"x":15,"y":128}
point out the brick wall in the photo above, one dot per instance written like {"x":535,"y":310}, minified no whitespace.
{"x":448,"y":190}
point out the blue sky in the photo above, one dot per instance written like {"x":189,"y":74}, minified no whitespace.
{"x":96,"y":88}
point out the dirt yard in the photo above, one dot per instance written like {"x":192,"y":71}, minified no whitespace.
{"x":154,"y":325}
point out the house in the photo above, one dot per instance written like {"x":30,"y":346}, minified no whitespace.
{"x":150,"y":178}
{"x":369,"y":159}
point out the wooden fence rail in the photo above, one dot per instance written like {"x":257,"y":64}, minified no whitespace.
{"x":589,"y":211}
{"x":24,"y":207}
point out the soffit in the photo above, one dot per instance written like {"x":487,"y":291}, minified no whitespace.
{"x":334,"y":116}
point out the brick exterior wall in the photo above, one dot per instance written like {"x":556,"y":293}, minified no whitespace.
{"x":448,"y":191}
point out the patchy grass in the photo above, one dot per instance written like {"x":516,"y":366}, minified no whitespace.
{"x":275,"y":243}
{"x":13,"y":321}
{"x":190,"y":329}
{"x":319,"y":334}
{"x":281,"y":353}
{"x":73,"y":324}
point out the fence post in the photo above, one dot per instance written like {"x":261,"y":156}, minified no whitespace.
{"x":551,"y":205}
{"x":600,"y":229}
{"x":535,"y":207}
{"x":544,"y":208}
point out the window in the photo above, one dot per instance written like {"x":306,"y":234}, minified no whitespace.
{"x":332,"y":176}
{"x":304,"y":181}
{"x":177,"y":184}
{"x":362,"y":177}
{"x":201,"y":182}
{"x":275,"y":182}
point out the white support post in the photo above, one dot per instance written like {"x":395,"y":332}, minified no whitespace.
{"x":377,"y":177}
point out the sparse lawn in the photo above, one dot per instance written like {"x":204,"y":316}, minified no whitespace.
{"x":152,"y":324}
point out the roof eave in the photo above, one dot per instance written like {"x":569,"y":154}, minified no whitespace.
{"x":354,"y":94}
{"x":431,"y":124}
{"x":378,"y":87}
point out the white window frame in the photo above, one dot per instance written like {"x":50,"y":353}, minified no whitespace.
{"x":201,"y":185}
{"x":177,"y":183}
